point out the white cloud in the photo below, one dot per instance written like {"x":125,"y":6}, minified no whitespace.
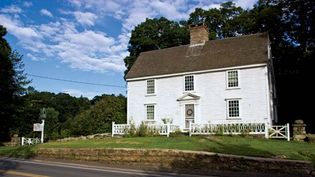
{"x":46,"y":12}
{"x":85,"y":18}
{"x":76,"y":43}
{"x":27,"y":4}
{"x":17,"y":29}
{"x":86,"y":50}
{"x":11,"y":9}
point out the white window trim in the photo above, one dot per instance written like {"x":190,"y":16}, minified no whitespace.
{"x":227,"y":79}
{"x":146,"y":112}
{"x":146,"y":88}
{"x":239,"y":109}
{"x":184,"y":88}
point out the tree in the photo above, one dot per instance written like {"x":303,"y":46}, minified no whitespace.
{"x":223,"y":22}
{"x":61,"y":108}
{"x":51,"y":124}
{"x":155,"y":34}
{"x":98,"y":119}
{"x":12,"y":82}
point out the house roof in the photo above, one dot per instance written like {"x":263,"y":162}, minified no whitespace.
{"x":214,"y":54}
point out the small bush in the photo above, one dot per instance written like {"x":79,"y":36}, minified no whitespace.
{"x":142,"y":130}
{"x":176,"y":133}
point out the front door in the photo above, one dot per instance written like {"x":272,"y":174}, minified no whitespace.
{"x":189,"y":114}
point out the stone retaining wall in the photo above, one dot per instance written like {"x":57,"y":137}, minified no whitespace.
{"x":175,"y":160}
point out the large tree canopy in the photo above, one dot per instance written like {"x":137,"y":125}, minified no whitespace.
{"x":155,"y":34}
{"x":12,"y":82}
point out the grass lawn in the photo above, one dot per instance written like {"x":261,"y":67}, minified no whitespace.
{"x":237,"y":145}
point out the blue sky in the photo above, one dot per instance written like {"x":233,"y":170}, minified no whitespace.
{"x":84,"y":40}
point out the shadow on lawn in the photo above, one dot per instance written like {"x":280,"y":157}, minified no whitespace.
{"x":238,"y":149}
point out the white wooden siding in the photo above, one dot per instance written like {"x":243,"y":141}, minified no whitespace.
{"x":211,"y":87}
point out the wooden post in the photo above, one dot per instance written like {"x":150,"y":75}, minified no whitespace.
{"x":266,"y":131}
{"x":189,"y":128}
{"x":168,"y":129}
{"x":288,"y":131}
{"x":42,"y":133}
{"x":22,"y":143}
{"x":113,"y":128}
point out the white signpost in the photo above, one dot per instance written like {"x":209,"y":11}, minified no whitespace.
{"x":39,"y":127}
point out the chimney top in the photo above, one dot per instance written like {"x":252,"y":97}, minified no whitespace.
{"x":198,"y":34}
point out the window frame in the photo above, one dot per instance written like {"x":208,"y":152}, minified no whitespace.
{"x":228,"y":109}
{"x":238,"y":79}
{"x":146,"y":110}
{"x":193,"y":82}
{"x":154,"y":87}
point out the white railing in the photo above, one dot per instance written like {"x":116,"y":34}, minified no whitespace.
{"x":30,"y":141}
{"x":119,"y":129}
{"x":227,"y":128}
{"x":279,"y":131}
{"x":161,"y":129}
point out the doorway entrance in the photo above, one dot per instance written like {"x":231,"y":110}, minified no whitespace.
{"x":189,"y":114}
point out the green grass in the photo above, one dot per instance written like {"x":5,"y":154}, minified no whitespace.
{"x":21,"y":151}
{"x":237,"y":145}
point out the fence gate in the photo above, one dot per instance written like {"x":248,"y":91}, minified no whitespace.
{"x":278,"y":131}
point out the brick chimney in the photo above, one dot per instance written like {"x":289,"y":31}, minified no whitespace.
{"x":198,"y":34}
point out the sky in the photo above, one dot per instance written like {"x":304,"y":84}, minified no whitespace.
{"x":84,"y":40}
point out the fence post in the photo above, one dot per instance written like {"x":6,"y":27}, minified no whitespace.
{"x":22,"y":141}
{"x":288,"y":131}
{"x":189,"y":127}
{"x":266,"y":131}
{"x":113,"y":128}
{"x":168,"y":129}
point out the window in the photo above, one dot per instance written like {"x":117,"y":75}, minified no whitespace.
{"x":150,"y":112}
{"x":233,"y":108}
{"x":232,"y":79}
{"x":150,"y":87}
{"x":189,"y":83}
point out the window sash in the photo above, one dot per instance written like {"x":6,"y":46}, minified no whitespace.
{"x":150,"y":86}
{"x":189,"y":83}
{"x":233,"y":108}
{"x":150,"y":112}
{"x":232,"y":79}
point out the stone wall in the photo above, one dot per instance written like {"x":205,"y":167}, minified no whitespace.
{"x":180,"y":161}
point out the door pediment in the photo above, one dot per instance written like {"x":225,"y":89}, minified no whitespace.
{"x":188,"y":96}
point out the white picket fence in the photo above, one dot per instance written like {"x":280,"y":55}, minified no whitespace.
{"x":161,"y":129}
{"x":29,"y":141}
{"x":227,"y":128}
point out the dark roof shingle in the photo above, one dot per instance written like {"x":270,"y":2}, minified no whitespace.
{"x":229,"y":52}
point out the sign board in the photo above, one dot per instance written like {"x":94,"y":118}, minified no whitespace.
{"x":38,"y":127}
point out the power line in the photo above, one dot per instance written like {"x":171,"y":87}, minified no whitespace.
{"x":73,"y":81}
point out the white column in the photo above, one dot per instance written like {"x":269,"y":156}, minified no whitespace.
{"x":42,"y":132}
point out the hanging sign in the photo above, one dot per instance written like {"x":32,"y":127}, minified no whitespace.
{"x":37,"y":127}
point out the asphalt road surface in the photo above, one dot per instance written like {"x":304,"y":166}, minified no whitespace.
{"x":37,"y":168}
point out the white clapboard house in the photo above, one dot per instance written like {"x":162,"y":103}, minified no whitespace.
{"x":217,"y":81}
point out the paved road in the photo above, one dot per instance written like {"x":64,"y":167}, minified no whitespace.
{"x":36,"y":168}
